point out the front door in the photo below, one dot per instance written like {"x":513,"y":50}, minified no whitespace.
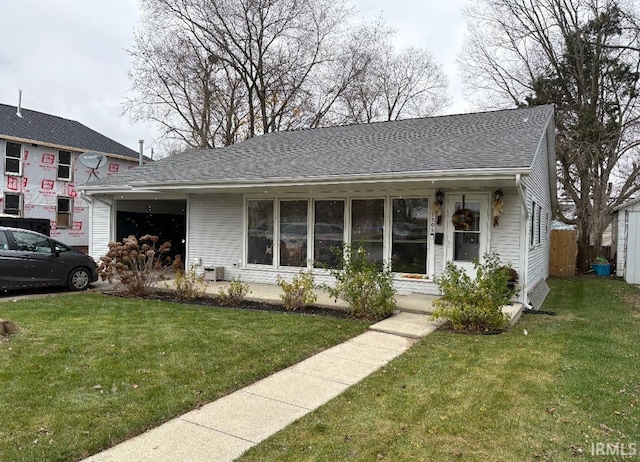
{"x":468,"y":235}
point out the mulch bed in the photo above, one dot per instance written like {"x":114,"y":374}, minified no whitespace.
{"x":168,"y":296}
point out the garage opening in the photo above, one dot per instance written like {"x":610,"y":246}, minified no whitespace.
{"x":163,"y":218}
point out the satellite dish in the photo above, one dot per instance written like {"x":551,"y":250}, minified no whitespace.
{"x":92,"y":160}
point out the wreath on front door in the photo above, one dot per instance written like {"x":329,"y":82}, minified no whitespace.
{"x":462,"y":219}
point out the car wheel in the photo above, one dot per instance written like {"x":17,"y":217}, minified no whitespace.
{"x":79,"y":279}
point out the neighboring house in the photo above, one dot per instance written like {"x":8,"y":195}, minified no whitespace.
{"x":278,"y":203}
{"x":40,"y":170}
{"x":626,"y":229}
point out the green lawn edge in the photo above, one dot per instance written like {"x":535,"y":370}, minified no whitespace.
{"x":552,"y":388}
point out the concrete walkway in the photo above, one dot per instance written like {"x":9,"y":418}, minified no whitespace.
{"x":224,"y":429}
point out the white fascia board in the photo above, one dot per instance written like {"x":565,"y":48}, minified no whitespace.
{"x":463,"y":175}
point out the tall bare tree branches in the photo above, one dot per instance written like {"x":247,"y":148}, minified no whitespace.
{"x":212,"y":72}
{"x":581,"y":55}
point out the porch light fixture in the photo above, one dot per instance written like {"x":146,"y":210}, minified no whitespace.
{"x":438,"y":206}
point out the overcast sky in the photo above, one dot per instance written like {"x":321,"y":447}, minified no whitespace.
{"x":68,"y":55}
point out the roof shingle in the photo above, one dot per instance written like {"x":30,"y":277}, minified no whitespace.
{"x":495,"y":140}
{"x":45,"y":128}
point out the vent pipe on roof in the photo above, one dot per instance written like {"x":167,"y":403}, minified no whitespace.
{"x":141,"y":157}
{"x":19,"y":112}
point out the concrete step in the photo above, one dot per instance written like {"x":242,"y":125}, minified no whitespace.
{"x":417,"y":304}
{"x":409,"y":325}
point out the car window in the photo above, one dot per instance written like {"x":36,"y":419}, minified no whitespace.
{"x":4,"y":244}
{"x":30,"y":242}
{"x":60,"y":247}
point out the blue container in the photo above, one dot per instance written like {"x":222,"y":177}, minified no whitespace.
{"x":601,"y":269}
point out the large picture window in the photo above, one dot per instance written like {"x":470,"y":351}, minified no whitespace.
{"x":13,"y":159}
{"x":409,"y":236}
{"x":466,"y":234}
{"x":328,"y":232}
{"x":293,"y":233}
{"x":367,"y":226}
{"x":260,"y":232}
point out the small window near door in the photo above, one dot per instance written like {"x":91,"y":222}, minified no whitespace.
{"x":64,"y":165}
{"x":466,"y":232}
{"x":532,"y":228}
{"x":63,"y":217}
{"x":409,"y":236}
{"x":12,"y":204}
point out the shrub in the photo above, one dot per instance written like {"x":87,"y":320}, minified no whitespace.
{"x":474,"y":305}
{"x":234,"y":293}
{"x":137,"y":263}
{"x":363,"y":284}
{"x":189,"y":285}
{"x":299,"y":292}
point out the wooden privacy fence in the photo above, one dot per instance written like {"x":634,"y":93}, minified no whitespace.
{"x":564,"y":251}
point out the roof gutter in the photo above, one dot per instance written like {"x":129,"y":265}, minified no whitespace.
{"x":155,"y":186}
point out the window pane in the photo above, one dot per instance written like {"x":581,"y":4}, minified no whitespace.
{"x":32,"y":242}
{"x":260,"y":232}
{"x":293,"y":233}
{"x":367,"y":226}
{"x":12,"y":204}
{"x":12,"y":165}
{"x":64,"y":158}
{"x":466,"y":242}
{"x":64,"y":172}
{"x":4,"y":243}
{"x":328,"y":232}
{"x":409,"y":236}
{"x":14,"y":150}
{"x":64,"y":204}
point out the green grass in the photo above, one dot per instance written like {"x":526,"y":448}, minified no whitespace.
{"x":88,"y":371}
{"x":573,"y":380}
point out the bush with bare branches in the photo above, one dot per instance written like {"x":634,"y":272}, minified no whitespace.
{"x":138,"y":264}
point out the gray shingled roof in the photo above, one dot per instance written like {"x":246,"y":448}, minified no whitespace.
{"x":46,"y":128}
{"x":505,"y":139}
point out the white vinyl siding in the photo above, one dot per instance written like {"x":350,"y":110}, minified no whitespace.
{"x":215,"y":232}
{"x":100,"y":223}
{"x":538,"y":192}
{"x":505,"y":238}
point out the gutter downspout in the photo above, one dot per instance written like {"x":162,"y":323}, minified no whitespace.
{"x":523,"y":243}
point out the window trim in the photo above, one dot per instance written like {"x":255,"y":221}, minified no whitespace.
{"x":20,"y":203}
{"x":20,"y":159}
{"x":69,"y":166}
{"x":70,"y":212}
{"x":532,"y":224}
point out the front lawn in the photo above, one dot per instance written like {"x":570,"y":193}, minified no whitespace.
{"x":88,"y":371}
{"x":570,"y":384}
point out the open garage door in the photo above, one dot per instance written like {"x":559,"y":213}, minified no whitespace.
{"x":163,"y":218}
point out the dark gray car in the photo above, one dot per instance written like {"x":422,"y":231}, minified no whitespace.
{"x":29,"y":259}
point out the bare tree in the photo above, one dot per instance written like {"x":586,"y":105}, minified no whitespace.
{"x":216,"y":72}
{"x":582,"y":56}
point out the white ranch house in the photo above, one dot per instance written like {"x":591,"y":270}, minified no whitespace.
{"x":278,"y":203}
